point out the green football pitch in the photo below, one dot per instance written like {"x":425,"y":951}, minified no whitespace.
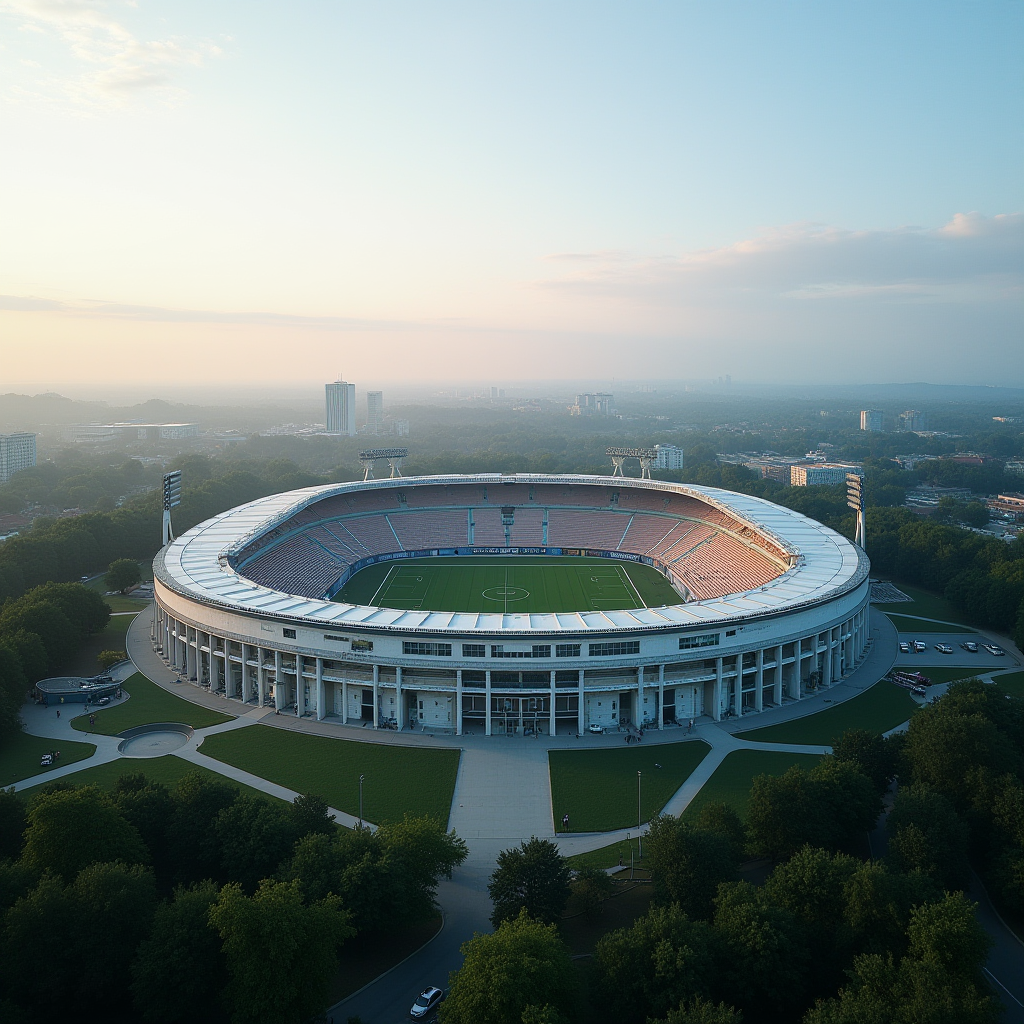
{"x":488,"y":583}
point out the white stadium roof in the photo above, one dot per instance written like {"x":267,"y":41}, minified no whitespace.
{"x":196,"y":565}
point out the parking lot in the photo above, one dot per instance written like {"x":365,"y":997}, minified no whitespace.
{"x":982,"y":661}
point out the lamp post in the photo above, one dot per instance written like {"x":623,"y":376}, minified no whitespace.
{"x":361,"y":801}
{"x":639,"y":818}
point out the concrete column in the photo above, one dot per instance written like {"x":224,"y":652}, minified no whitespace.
{"x":171,"y":650}
{"x":581,"y":707}
{"x":321,"y":696}
{"x":551,"y":711}
{"x":794,"y":687}
{"x":344,"y":700}
{"x":376,"y":681}
{"x":167,"y":652}
{"x":661,"y":696}
{"x":826,"y":661}
{"x":777,"y":689}
{"x":717,"y":712}
{"x":458,"y":702}
{"x":759,"y":680}
{"x":399,"y":699}
{"x":261,"y":677}
{"x":737,"y":697}
{"x":243,"y":680}
{"x":487,"y":703}
{"x":279,"y":698}
{"x":190,"y":655}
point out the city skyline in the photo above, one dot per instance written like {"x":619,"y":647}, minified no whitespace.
{"x":783,"y":193}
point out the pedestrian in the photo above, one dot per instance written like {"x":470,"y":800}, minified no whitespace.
{"x":58,"y":712}
{"x":565,"y":822}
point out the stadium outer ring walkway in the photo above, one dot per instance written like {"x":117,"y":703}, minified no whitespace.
{"x":727,"y":656}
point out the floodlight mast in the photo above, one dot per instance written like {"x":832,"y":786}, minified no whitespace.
{"x":647,"y":457}
{"x":394,"y":457}
{"x":172,"y":498}
{"x":855,"y":500}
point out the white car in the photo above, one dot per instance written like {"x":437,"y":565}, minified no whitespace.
{"x":594,"y":727}
{"x":426,"y":1003}
{"x":944,"y":648}
{"x":994,"y":649}
{"x":920,"y":645}
{"x":904,"y":647}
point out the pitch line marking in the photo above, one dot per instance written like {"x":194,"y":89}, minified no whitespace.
{"x":373,"y":600}
{"x":632,"y":585}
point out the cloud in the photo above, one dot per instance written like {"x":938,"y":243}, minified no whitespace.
{"x":115,"y":64}
{"x":972,"y":258}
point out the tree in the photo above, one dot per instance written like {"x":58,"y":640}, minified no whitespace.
{"x":72,"y":828}
{"x":762,"y":957}
{"x":275,"y":927}
{"x":107,"y":658}
{"x":255,"y":835}
{"x":179,"y":966}
{"x":870,"y":753}
{"x":717,"y":817}
{"x":588,"y":889}
{"x":687,"y":863}
{"x":418,"y":852}
{"x":520,"y":972}
{"x":310,"y":814}
{"x":703,"y":1011}
{"x":148,"y":806}
{"x":926,"y":835}
{"x":533,"y":877}
{"x":660,"y":960}
{"x":191,"y":837}
{"x":122,"y":574}
{"x":12,"y":824}
{"x":938,"y":980}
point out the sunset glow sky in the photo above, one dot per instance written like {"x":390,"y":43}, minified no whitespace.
{"x":269,"y":193}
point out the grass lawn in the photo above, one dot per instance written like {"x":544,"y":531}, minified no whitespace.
{"x":598,"y":788}
{"x":167,"y":769}
{"x":879,"y":709}
{"x":1012,"y":683}
{"x":735,"y":775}
{"x":117,"y":602}
{"x":110,"y":638}
{"x":491,"y":583}
{"x":20,"y":753}
{"x":905,"y":624}
{"x":398,"y":780}
{"x":149,"y":703}
{"x":627,"y":902}
{"x":931,"y":606}
{"x":606,"y":857}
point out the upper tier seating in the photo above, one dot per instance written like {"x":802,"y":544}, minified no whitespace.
{"x":571,"y":529}
{"x":422,"y":529}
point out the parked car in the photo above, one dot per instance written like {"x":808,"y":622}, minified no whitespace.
{"x":970,"y":645}
{"x":920,"y":645}
{"x":904,"y":647}
{"x":594,"y":727}
{"x":103,"y":700}
{"x":944,"y":648}
{"x":426,"y":1003}
{"x":994,"y":649}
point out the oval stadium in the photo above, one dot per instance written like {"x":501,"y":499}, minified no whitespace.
{"x":497,"y":604}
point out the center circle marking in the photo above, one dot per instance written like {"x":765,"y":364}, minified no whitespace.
{"x":505,"y":594}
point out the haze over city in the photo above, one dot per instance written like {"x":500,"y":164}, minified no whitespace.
{"x":244,"y":194}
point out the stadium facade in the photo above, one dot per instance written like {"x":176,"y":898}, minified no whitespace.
{"x":773,"y":606}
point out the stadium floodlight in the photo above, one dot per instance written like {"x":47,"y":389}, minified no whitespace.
{"x":371,"y":455}
{"x":855,"y":500}
{"x":619,"y":456}
{"x":172,"y":498}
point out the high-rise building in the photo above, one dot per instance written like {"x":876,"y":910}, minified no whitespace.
{"x":871,"y":419}
{"x":669,"y":457}
{"x":17,"y":452}
{"x":341,"y":408}
{"x":913,"y":420}
{"x":374,"y":412}
{"x":598,"y":403}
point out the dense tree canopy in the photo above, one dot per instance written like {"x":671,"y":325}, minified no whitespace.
{"x":532,"y":877}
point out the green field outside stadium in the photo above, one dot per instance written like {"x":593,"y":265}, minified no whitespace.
{"x":490,"y":583}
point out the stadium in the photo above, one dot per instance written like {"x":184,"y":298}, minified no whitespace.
{"x":512,"y":604}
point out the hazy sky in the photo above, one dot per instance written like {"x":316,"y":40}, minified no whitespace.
{"x":264,"y":192}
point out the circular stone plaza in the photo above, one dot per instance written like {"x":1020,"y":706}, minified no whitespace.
{"x":512,"y":604}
